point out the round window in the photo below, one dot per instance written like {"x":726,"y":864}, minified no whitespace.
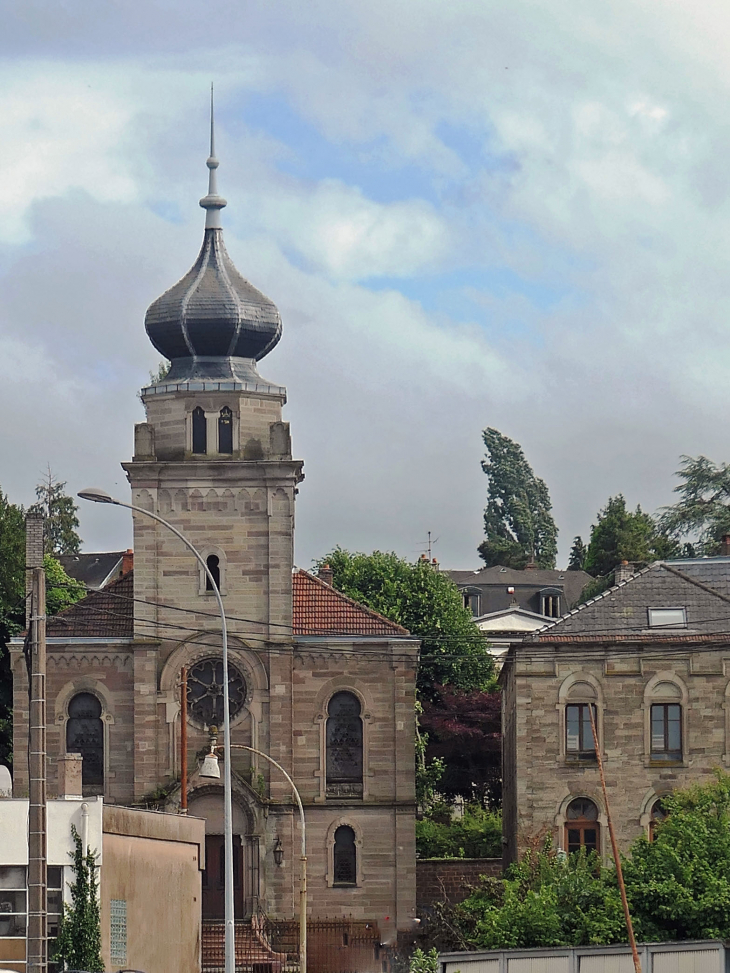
{"x":205,"y":691}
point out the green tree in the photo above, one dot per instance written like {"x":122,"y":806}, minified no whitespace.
{"x":62,"y":591}
{"x":517,"y":519}
{"x":78,"y":946}
{"x":622,"y":535}
{"x":12,"y":610}
{"x":703,"y":508}
{"x":428,"y":604}
{"x":59,"y":511}
{"x":577,"y":554}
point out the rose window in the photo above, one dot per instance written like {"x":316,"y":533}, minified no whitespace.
{"x":205,"y":691}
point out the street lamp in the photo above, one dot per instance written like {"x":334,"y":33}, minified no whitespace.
{"x":97,"y":495}
{"x":210,"y":769}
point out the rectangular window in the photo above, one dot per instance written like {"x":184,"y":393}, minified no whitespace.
{"x":666,"y":732}
{"x":667,"y":617}
{"x":118,"y":931}
{"x":14,"y":904}
{"x":578,"y":732}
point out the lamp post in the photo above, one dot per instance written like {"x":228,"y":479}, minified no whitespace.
{"x":210,"y":769}
{"x":97,"y":495}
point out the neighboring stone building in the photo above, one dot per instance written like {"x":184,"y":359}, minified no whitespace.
{"x":652,"y":656}
{"x":322,"y":684}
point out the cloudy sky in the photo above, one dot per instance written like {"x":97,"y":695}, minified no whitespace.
{"x":469,"y":213}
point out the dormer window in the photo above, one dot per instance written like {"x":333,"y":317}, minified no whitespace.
{"x":550,"y":602}
{"x":200,"y":432}
{"x":472,"y":600}
{"x":667,"y":617}
{"x":225,"y":431}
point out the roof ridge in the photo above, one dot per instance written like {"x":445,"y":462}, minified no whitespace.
{"x":357,"y":604}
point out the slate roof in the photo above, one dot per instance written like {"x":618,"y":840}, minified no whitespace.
{"x":106,"y":613}
{"x":92,"y":570}
{"x":321,"y":610}
{"x":318,"y":610}
{"x":621,"y":613}
{"x":493,"y":583}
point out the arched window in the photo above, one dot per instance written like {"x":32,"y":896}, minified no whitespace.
{"x":200,"y":431}
{"x":225,"y":430}
{"x":344,"y":746}
{"x":581,"y":825}
{"x":85,"y":735}
{"x":579,"y":742}
{"x":666,"y":723}
{"x":214,"y":566}
{"x":658,"y":814}
{"x":345,"y":857}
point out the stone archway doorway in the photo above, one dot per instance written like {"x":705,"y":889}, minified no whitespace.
{"x":246,"y":877}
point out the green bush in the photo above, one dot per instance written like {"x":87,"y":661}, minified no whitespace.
{"x":478,"y":834}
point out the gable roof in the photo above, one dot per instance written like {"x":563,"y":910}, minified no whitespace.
{"x":494,"y":581}
{"x":93,"y":570}
{"x":318,"y":609}
{"x":322,"y":610}
{"x":621,"y":612}
{"x":106,"y":613}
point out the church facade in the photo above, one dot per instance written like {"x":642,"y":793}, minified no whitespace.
{"x":323,"y":685}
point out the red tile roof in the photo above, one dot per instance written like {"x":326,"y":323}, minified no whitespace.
{"x":106,"y":613}
{"x":321,"y":610}
{"x":318,"y":609}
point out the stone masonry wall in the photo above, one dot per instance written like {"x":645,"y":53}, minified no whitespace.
{"x":623,"y":686}
{"x":450,"y":880}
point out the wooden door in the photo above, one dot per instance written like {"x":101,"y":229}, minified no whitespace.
{"x":214,"y":877}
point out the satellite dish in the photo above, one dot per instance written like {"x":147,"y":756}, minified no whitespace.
{"x":6,"y":782}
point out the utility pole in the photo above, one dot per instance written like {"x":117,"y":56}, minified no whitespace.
{"x":37,"y":936}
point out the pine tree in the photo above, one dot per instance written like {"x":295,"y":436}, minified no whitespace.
{"x":78,"y":946}
{"x":577,"y":554}
{"x":59,"y":511}
{"x":517,"y":518}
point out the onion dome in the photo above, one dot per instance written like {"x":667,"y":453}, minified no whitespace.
{"x":213,"y":325}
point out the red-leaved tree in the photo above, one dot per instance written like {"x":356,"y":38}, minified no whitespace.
{"x":465,"y":729}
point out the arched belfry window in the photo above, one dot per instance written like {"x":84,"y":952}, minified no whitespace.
{"x":345,"y":857}
{"x":344,"y":746}
{"x":225,"y":430}
{"x":85,"y":735}
{"x":200,"y":432}
{"x":214,"y":566}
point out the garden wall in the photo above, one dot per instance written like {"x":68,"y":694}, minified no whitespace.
{"x":450,"y":879}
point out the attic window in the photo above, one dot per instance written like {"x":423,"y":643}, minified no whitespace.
{"x":667,"y":617}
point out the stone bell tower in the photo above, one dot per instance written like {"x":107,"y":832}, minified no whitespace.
{"x":214,"y":459}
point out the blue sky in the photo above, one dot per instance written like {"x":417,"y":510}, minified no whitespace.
{"x":468,"y":214}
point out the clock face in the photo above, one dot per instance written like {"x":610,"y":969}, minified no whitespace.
{"x":205,"y":691}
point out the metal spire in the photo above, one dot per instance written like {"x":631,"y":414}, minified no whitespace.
{"x":212,"y":203}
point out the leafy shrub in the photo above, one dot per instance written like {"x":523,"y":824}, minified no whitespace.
{"x":478,"y":834}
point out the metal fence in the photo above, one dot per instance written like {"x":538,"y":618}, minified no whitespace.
{"x":265,"y":945}
{"x":705,"y":956}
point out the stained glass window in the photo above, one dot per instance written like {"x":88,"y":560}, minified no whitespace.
{"x":344,"y":746}
{"x":345,"y":857}
{"x":85,"y":735}
{"x":205,"y":691}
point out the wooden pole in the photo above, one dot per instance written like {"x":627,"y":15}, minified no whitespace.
{"x":37,"y":935}
{"x":614,"y":846}
{"x":184,"y":740}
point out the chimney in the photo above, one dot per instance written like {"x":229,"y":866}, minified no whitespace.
{"x":33,"y":552}
{"x":127,"y":561}
{"x":326,"y":574}
{"x":69,"y":776}
{"x":623,"y":572}
{"x":725,"y":545}
{"x":435,"y":564}
{"x":531,"y":566}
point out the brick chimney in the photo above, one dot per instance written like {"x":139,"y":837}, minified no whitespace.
{"x":623,"y":572}
{"x":127,"y":561}
{"x":326,"y":574}
{"x":531,"y":566}
{"x":69,"y":775}
{"x":725,"y":545}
